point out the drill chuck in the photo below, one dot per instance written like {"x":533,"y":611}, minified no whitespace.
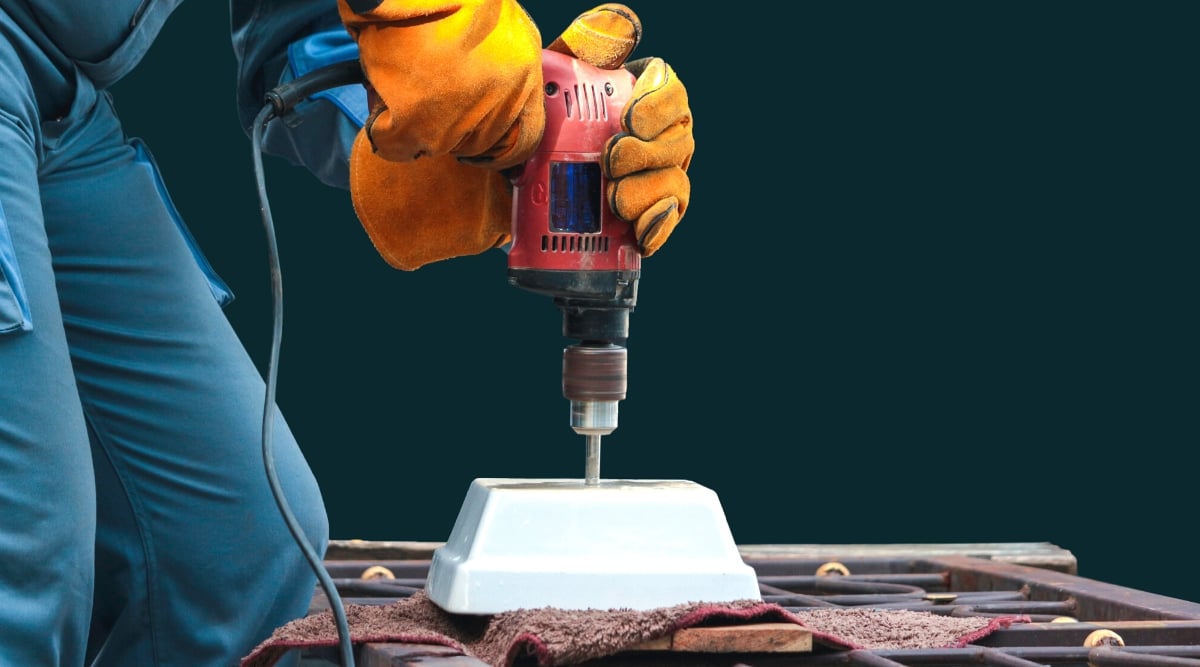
{"x":594,"y":379}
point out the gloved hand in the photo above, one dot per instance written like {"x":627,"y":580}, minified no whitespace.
{"x":460,"y":78}
{"x":646,"y":165}
{"x":456,"y":97}
{"x":446,"y":83}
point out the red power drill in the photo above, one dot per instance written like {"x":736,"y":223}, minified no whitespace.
{"x":569,"y":245}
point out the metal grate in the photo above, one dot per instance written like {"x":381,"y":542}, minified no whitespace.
{"x":964,"y":580}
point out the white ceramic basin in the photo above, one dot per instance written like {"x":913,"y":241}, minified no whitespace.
{"x":620,"y":544}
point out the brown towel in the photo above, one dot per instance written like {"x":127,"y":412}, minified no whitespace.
{"x":565,"y":637}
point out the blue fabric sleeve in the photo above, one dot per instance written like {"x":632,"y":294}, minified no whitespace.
{"x":279,"y":40}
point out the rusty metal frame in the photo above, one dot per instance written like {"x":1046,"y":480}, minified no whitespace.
{"x":1040,"y":580}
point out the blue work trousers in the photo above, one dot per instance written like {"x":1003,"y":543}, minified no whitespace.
{"x":137,"y":527}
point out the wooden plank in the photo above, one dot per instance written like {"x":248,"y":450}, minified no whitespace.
{"x":660,"y":644}
{"x":756,"y":638}
{"x":413,"y":655}
{"x":751,"y":638}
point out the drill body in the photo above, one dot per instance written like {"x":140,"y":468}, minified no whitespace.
{"x":569,"y":245}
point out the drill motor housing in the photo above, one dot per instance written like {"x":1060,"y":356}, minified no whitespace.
{"x":567,"y":243}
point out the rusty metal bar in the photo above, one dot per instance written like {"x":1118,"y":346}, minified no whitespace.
{"x":1133,"y":633}
{"x":355,"y":569}
{"x":974,"y":656}
{"x":868,"y":659}
{"x":1093,"y":600}
{"x":796,"y":580}
{"x":390,"y":588}
{"x":857,"y":556}
{"x":1144,"y":656}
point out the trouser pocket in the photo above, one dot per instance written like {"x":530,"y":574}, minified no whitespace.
{"x":14,"y":306}
{"x":220,"y":289}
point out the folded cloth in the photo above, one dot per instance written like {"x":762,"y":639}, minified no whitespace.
{"x":555,"y":637}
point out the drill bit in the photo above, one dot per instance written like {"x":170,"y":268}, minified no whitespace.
{"x":591,"y":468}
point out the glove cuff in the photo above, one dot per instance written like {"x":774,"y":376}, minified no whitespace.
{"x":428,"y":210}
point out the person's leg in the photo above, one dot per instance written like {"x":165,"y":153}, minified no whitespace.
{"x":47,"y":508}
{"x":195,"y":564}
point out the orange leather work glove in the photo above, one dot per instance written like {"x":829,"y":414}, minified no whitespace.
{"x":445,"y":77}
{"x":456,"y":97}
{"x":447,"y":83}
{"x":646,"y":165}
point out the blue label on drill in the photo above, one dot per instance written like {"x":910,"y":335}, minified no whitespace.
{"x":575,"y":204}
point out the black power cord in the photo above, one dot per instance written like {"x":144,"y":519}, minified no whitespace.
{"x":279,"y":101}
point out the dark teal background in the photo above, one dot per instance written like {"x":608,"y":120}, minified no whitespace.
{"x":934,"y":286}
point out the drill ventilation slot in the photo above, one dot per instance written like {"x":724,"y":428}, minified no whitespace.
{"x":585,"y":104}
{"x":575,"y":243}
